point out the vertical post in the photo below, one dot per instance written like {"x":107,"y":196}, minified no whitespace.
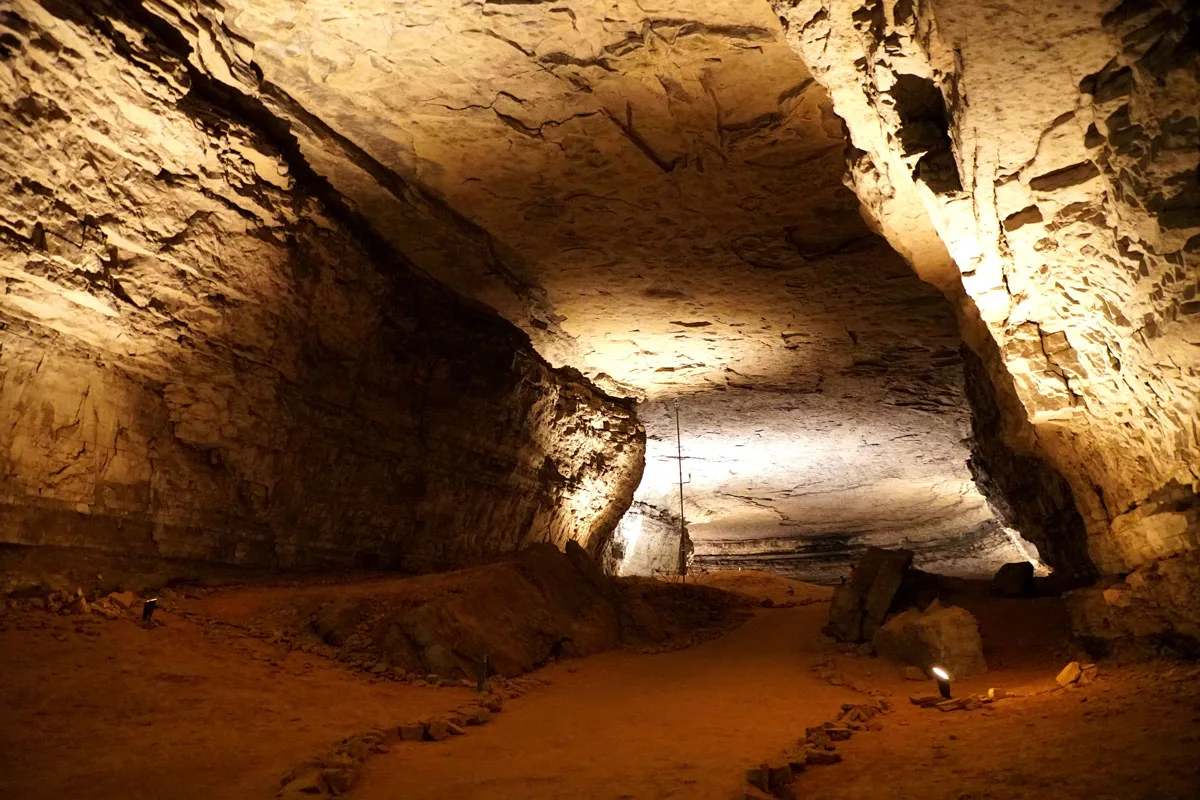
{"x":682,"y":524}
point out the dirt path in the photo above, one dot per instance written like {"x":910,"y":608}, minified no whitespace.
{"x":109,"y":711}
{"x":683,"y":724}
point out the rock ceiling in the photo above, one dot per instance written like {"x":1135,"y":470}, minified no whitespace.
{"x":660,"y":190}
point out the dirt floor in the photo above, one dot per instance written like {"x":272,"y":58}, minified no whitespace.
{"x":98,"y":709}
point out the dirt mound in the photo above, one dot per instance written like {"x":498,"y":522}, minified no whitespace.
{"x":520,"y":614}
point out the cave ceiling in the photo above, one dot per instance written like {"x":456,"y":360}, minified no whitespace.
{"x":653,"y":192}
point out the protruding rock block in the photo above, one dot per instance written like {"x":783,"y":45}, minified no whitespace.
{"x":860,"y":606}
{"x":944,"y":636}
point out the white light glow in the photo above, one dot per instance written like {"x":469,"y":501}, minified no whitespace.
{"x":941,"y":673}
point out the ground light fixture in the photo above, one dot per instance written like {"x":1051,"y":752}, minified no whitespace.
{"x":943,"y":681}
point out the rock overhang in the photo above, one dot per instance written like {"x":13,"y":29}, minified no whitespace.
{"x":663,"y":187}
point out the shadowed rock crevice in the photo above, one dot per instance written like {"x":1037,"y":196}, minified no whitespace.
{"x":1026,"y":492}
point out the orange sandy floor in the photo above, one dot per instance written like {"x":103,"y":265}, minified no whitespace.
{"x":186,"y":711}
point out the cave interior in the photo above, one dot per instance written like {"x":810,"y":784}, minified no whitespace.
{"x":378,"y":341}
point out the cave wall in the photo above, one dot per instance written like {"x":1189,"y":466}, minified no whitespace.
{"x":1040,"y":167}
{"x":206,"y":356}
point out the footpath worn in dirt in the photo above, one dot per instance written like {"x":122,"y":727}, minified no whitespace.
{"x":201,"y":708}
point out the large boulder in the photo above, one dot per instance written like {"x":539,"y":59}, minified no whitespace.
{"x":943,"y":636}
{"x":860,"y":606}
{"x":1015,"y":580}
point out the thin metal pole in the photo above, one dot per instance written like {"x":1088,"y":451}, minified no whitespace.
{"x":682,"y":525}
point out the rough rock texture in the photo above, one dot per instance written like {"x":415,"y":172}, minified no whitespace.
{"x":1155,"y":608}
{"x":520,"y":613}
{"x":939,"y":636}
{"x":1025,"y":491}
{"x":1039,"y":165}
{"x":860,"y":606}
{"x":203,"y":360}
{"x":646,"y":542}
{"x":663,"y":185}
{"x":653,"y":193}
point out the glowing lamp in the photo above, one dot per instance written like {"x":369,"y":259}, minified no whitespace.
{"x":943,"y":681}
{"x":148,"y":609}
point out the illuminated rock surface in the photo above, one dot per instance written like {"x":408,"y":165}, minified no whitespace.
{"x":653,"y":194}
{"x":1040,"y":166}
{"x":666,"y":183}
{"x":201,"y":362}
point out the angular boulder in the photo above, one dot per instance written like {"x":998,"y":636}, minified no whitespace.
{"x":860,"y":606}
{"x":944,"y":636}
{"x":1015,"y":580}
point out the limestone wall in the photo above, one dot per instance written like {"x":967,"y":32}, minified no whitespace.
{"x":204,"y":356}
{"x":1039,"y":165}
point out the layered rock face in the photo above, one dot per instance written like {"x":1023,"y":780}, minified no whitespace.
{"x":1039,"y":165}
{"x":207,"y":356}
{"x":664,"y":188}
{"x":220,"y":335}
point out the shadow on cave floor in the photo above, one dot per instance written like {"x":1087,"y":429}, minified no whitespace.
{"x":202,"y":707}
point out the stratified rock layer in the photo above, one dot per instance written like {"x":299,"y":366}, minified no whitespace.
{"x":661,"y":187}
{"x":1039,"y":165}
{"x":203,"y":361}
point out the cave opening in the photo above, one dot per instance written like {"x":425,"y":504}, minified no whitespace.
{"x":403,"y":355}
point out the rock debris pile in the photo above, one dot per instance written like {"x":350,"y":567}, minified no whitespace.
{"x":335,"y":773}
{"x":776,"y":776}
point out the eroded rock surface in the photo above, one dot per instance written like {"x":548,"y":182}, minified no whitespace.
{"x":669,"y":180}
{"x":1039,"y":165}
{"x":206,"y":356}
{"x":653,"y":194}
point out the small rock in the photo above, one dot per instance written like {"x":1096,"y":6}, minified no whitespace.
{"x":1088,"y":674}
{"x":339,"y":779}
{"x":470,"y":715}
{"x":925,"y":700}
{"x":912,"y":673}
{"x":956,"y":704}
{"x":838,"y":733}
{"x":306,"y":785}
{"x":779,"y":775}
{"x":1069,"y":674}
{"x":437,"y":729}
{"x":123,"y":599}
{"x":358,"y":749}
{"x":411,"y":732}
{"x":817,"y":737}
{"x":815,"y":757}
